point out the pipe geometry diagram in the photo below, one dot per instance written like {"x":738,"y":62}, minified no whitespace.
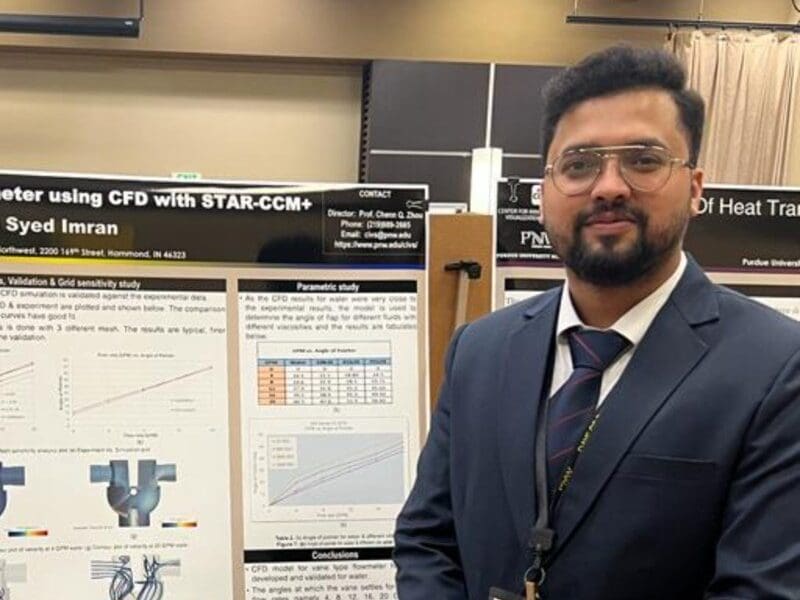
{"x":125,"y":586}
{"x":9,"y":476}
{"x":133,"y":503}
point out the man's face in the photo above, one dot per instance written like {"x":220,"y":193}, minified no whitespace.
{"x":612,"y":234}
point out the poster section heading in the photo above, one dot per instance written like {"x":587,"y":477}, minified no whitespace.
{"x":738,"y":228}
{"x":316,"y":286}
{"x":161,"y":220}
{"x":137,"y":284}
{"x":317,"y":554}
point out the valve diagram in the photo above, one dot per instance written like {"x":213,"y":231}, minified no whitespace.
{"x":9,"y":573}
{"x":9,"y":476}
{"x":124,"y":584}
{"x":133,"y":503}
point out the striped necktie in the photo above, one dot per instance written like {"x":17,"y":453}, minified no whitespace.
{"x":572,"y":407}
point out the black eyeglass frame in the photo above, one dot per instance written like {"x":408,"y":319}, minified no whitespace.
{"x":605,"y":152}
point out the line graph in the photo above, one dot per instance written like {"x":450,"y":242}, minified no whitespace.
{"x":142,"y":390}
{"x":16,"y":390}
{"x":336,"y":469}
{"x":148,"y":390}
{"x":362,"y":472}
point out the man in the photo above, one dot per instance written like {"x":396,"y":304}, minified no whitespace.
{"x":683,"y":480}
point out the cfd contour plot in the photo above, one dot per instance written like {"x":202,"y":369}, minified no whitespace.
{"x":9,"y":476}
{"x":133,"y":503}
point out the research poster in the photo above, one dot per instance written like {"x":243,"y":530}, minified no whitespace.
{"x":193,"y":378}
{"x":744,"y":237}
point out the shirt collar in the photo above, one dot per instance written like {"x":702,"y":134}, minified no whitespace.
{"x":634,"y":323}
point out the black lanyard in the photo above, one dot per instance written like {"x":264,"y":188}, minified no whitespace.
{"x":542,"y":534}
{"x":541,"y":540}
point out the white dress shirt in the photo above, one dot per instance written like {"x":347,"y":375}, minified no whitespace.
{"x":632,"y":325}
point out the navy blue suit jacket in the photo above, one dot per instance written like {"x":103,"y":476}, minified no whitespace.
{"x":688,"y":489}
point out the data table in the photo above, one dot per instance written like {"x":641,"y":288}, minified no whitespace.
{"x":315,"y":381}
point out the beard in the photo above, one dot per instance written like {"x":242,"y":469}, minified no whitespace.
{"x":609,"y":265}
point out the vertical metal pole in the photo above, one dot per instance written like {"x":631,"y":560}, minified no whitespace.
{"x":490,"y":105}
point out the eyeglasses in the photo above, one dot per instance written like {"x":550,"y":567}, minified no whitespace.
{"x":643,"y":168}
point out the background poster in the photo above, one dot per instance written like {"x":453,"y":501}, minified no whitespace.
{"x":744,"y":236}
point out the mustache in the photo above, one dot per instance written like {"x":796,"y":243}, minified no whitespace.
{"x":616,"y":213}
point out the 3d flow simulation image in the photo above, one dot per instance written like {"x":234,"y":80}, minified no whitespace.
{"x":133,"y":503}
{"x":124,"y":582}
{"x":10,"y":573}
{"x":9,"y":476}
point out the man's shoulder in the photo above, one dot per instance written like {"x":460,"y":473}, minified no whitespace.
{"x":511,"y":316}
{"x":485,"y":340}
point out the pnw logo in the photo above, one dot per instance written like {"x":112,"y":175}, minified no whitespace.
{"x":537,"y":240}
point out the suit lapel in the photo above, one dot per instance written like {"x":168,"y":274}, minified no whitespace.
{"x":525,"y":364}
{"x":666,"y":355}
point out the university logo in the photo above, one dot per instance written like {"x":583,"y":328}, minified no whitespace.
{"x":536,"y":240}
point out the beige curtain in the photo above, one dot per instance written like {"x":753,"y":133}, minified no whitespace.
{"x":750,"y":82}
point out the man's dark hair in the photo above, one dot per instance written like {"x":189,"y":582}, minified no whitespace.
{"x":619,"y":69}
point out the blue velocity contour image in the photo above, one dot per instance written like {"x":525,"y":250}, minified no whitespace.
{"x":133,"y":503}
{"x":9,"y":476}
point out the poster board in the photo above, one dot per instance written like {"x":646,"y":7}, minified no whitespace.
{"x":745,"y":237}
{"x":180,"y":361}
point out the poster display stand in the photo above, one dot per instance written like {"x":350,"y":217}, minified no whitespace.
{"x":460,"y":238}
